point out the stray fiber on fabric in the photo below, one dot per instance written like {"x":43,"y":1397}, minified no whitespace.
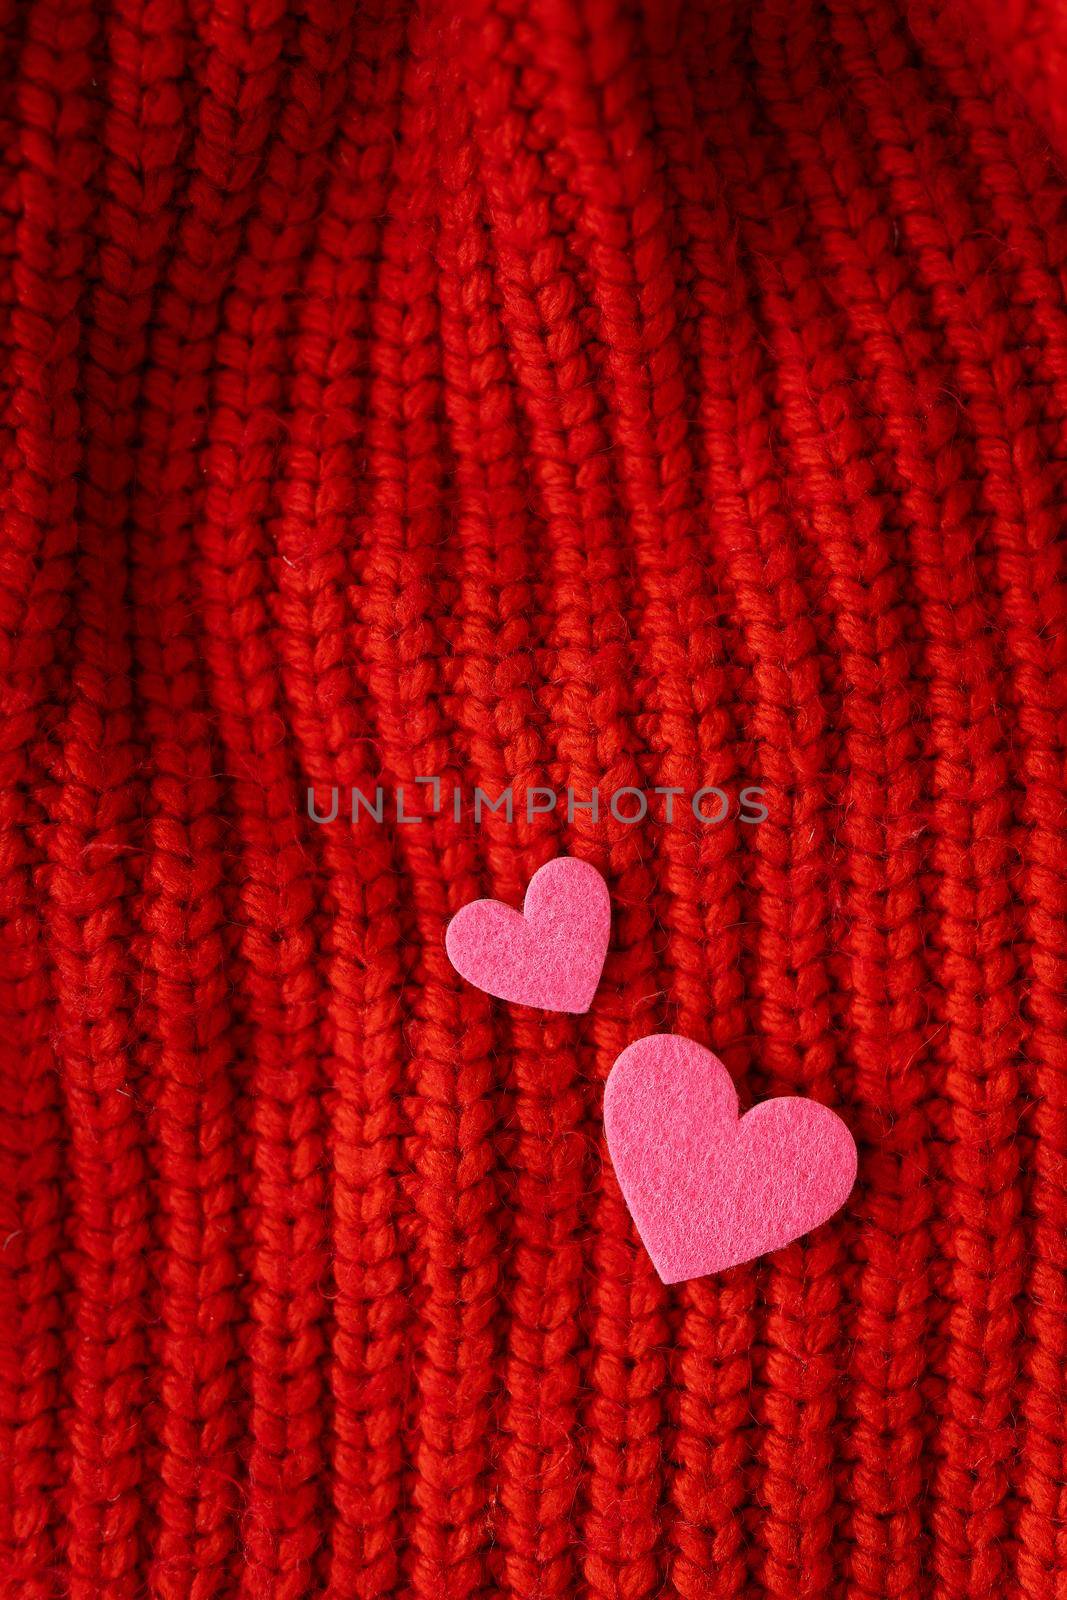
{"x":531,"y":394}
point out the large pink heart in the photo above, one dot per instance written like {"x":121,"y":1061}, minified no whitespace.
{"x":706,"y":1188}
{"x":551,"y":953}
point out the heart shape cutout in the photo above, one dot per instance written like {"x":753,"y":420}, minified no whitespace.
{"x":706,"y":1188}
{"x":551,"y":953}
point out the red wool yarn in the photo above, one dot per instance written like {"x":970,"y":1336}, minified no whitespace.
{"x":556,"y":394}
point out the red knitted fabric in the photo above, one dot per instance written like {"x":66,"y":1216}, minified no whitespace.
{"x":531,"y":394}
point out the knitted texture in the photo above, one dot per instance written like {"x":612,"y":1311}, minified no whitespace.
{"x":535,"y":393}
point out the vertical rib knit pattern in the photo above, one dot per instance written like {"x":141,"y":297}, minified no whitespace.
{"x":533,"y":393}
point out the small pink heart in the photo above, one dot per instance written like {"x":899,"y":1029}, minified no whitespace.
{"x":708,"y":1189}
{"x":551,"y":953}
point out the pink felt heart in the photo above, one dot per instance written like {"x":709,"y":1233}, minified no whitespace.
{"x":706,"y":1188}
{"x":551,"y":953}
